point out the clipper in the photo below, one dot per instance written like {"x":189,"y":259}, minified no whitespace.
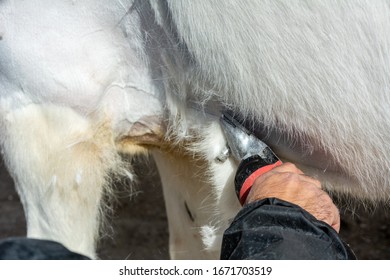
{"x":255,"y":157}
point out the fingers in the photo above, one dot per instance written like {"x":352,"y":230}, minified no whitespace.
{"x":292,"y":168}
{"x":288,"y":167}
{"x":287,"y":182}
{"x":321,"y":206}
{"x":328,"y":212}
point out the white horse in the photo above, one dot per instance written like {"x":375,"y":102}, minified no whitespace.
{"x":83,"y":81}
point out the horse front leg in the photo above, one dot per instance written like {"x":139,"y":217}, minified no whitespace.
{"x":199,"y":194}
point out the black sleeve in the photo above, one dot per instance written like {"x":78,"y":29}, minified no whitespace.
{"x":272,"y":229}
{"x":35,"y":249}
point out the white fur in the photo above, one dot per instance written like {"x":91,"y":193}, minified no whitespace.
{"x":315,"y":73}
{"x":82,"y":80}
{"x":185,"y":187}
{"x":60,"y":162}
{"x":311,"y":78}
{"x":72,"y":85}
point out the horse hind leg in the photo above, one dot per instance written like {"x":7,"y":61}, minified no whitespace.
{"x":60,"y":162}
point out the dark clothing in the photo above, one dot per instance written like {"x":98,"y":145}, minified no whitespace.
{"x":35,"y":249}
{"x":269,"y":229}
{"x":272,"y":229}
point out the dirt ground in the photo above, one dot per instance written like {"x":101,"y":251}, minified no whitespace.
{"x":139,"y":227}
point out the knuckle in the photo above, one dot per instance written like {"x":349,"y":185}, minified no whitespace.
{"x":292,"y":167}
{"x":326,"y":200}
{"x":289,"y":177}
{"x":290,"y":164}
{"x":336,"y":211}
{"x":316,"y":182}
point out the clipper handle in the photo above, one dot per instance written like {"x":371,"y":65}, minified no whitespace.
{"x":250,"y":169}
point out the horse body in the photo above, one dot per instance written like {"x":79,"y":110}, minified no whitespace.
{"x":73,"y":88}
{"x":81,"y":83}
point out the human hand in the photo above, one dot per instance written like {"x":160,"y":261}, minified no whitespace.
{"x":288,"y":183}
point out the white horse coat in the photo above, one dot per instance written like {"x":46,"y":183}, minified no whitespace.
{"x":83,"y":81}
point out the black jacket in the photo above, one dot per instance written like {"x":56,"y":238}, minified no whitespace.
{"x":272,"y":229}
{"x":35,"y":249}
